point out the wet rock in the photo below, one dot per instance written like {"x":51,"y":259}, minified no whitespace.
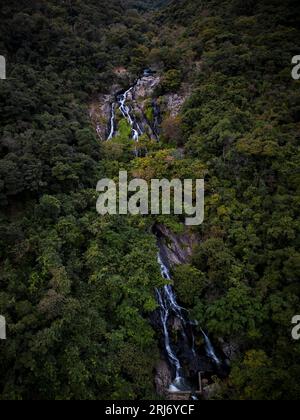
{"x":177,"y":325}
{"x":148,"y":72}
{"x":139,"y":110}
{"x":138,"y":99}
{"x":100,"y":111}
{"x":157,"y":118}
{"x":140,"y":96}
{"x":163,"y":378}
{"x":230,"y":349}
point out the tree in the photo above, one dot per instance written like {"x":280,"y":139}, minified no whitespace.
{"x":189,"y":284}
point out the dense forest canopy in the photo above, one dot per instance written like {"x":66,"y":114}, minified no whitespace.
{"x":77,"y":290}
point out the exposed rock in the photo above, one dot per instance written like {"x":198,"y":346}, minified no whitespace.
{"x":174,"y":104}
{"x":147,"y":126}
{"x":141,"y":94}
{"x":163,"y":378}
{"x":176,"y":248}
{"x":100,"y":111}
{"x":177,"y":325}
{"x":175,"y":101}
{"x":230,"y":349}
{"x":146,"y":86}
{"x":100,"y":107}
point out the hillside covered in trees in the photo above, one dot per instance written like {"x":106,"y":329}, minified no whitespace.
{"x":77,"y":289}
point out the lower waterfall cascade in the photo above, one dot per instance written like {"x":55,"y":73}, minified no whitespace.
{"x":169,"y":307}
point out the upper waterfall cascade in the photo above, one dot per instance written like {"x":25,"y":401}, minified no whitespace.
{"x":130,"y":110}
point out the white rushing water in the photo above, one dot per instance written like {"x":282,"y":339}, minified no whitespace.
{"x":168,"y":306}
{"x":127,"y":114}
{"x":112,"y":122}
{"x":210,"y":349}
{"x":165,"y":313}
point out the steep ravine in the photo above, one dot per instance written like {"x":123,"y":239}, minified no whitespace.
{"x":190,"y":340}
{"x":182,"y":359}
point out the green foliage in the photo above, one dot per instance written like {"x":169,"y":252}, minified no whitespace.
{"x":189,"y":283}
{"x":124,"y":130}
{"x":241,"y":122}
{"x":171,"y":81}
{"x":77,"y":289}
{"x":259,"y":379}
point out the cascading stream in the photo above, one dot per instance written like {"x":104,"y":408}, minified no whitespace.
{"x":168,"y":307}
{"x":210,"y":350}
{"x":112,"y":122}
{"x":126,"y":113}
{"x":164,"y":312}
{"x":166,"y":298}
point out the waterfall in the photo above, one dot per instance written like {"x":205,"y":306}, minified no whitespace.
{"x":169,"y":291}
{"x":112,"y":122}
{"x":137,"y":128}
{"x":168,"y":306}
{"x":169,"y":309}
{"x":126,"y":112}
{"x":157,"y":119}
{"x":164,"y":312}
{"x":210,"y":349}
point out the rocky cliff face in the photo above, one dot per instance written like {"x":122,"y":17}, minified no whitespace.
{"x":176,"y":248}
{"x":145,"y":106}
{"x":100,"y":110}
{"x":148,"y":109}
{"x":140,"y":98}
{"x":163,"y":378}
{"x":175,"y":101}
{"x":145,"y":87}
